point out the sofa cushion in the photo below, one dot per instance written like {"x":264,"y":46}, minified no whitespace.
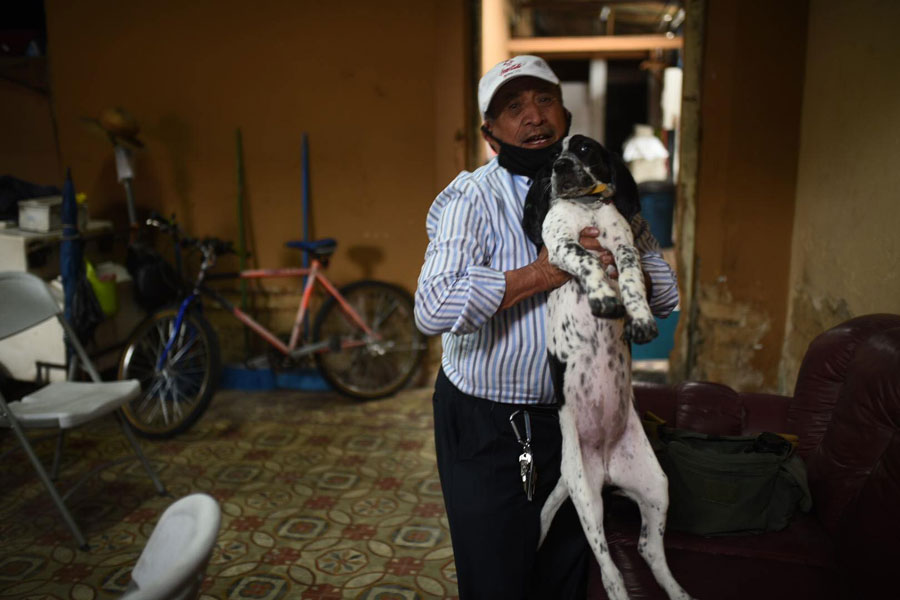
{"x":765,"y":412}
{"x":658,"y":398}
{"x":804,"y":541}
{"x":797,"y":562}
{"x":705,"y":575}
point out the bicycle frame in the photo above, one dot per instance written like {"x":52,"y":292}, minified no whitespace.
{"x":364,"y":340}
{"x":312,"y":274}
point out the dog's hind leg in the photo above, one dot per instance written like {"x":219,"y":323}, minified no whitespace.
{"x":584,"y":473}
{"x":634,"y":468}
{"x":588,"y":499}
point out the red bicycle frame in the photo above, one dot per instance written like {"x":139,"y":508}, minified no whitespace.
{"x":313,"y":274}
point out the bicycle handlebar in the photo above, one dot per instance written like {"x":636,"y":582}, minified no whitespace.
{"x":214,"y":245}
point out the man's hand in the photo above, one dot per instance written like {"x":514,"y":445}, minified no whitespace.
{"x":589,"y":241}
{"x":543,"y":276}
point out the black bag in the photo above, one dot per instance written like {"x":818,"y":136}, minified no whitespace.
{"x":155,"y":281}
{"x":731,"y":484}
{"x":13,"y":189}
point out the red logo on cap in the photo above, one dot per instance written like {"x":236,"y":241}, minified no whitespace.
{"x":509,"y":67}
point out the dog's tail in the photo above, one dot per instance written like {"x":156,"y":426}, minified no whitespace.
{"x":554,"y":501}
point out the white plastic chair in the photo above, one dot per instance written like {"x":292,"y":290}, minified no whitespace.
{"x":26,"y":301}
{"x":173,"y":562}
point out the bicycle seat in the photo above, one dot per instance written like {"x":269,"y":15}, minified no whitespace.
{"x":319,"y":248}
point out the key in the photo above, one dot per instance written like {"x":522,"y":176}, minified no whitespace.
{"x":526,"y":470}
{"x":526,"y":459}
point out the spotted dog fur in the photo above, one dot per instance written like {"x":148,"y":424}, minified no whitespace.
{"x":603,"y":440}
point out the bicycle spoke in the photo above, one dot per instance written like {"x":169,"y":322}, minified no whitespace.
{"x":182,"y":348}
{"x":379,"y":319}
{"x":190,"y":383}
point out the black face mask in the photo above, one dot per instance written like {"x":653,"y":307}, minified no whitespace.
{"x":527,"y":161}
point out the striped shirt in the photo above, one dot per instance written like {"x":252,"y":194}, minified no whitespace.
{"x":475,"y":234}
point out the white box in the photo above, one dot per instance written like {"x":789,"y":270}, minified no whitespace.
{"x":41,"y":214}
{"x":45,"y":214}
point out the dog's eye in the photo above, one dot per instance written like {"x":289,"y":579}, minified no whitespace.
{"x":585,"y":148}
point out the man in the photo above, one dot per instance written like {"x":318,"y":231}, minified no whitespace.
{"x":483,"y":286}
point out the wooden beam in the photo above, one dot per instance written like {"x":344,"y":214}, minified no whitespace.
{"x":593,"y":45}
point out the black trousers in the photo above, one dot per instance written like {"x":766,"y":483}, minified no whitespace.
{"x":493,"y":526}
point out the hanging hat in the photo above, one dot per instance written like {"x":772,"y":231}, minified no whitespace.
{"x":119,"y":125}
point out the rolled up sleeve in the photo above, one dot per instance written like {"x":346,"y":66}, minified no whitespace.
{"x":664,"y":293}
{"x":664,"y":284}
{"x":456,"y":291}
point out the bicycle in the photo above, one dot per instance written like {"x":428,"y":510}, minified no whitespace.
{"x":364,"y":340}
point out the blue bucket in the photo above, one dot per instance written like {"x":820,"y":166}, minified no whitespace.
{"x":660,"y":347}
{"x":658,"y":208}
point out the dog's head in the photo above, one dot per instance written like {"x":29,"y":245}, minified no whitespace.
{"x":583,"y":168}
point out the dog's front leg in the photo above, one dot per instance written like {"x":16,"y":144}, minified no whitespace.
{"x":616,"y":235}
{"x":561,"y":231}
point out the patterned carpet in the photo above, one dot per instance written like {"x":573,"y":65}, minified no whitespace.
{"x":323,"y":498}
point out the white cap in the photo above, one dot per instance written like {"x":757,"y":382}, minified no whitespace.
{"x":518,"y":66}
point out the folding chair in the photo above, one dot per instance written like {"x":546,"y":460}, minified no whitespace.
{"x":26,"y":301}
{"x":173,"y":562}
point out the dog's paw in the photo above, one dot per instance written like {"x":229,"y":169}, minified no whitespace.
{"x":641,"y":331}
{"x":607,"y":307}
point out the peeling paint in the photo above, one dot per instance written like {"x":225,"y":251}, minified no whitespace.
{"x":810,"y":315}
{"x":728,"y":338}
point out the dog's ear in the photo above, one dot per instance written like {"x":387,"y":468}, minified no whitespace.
{"x":537,"y":204}
{"x":627,"y":199}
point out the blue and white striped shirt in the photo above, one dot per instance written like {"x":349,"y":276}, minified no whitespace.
{"x":475,"y":232}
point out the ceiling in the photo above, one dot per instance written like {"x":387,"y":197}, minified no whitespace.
{"x":560,"y":18}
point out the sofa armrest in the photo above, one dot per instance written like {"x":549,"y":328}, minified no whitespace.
{"x":708,"y":407}
{"x":713,"y":408}
{"x":823,"y":372}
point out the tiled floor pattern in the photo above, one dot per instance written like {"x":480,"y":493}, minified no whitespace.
{"x":323,"y":498}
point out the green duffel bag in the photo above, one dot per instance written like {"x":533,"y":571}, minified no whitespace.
{"x":731,"y":484}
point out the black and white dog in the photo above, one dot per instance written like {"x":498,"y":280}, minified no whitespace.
{"x":603,"y":440}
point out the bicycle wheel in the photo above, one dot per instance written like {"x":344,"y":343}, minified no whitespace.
{"x":174,"y":396}
{"x":369,"y":366}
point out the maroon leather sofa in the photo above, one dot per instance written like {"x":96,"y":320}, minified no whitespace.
{"x":846,"y":412}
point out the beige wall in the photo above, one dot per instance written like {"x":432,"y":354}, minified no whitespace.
{"x":27,"y":144}
{"x":750,"y":99}
{"x":846,"y":236}
{"x":379,"y":87}
{"x":375,"y":85}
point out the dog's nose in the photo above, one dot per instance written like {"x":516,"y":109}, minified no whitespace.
{"x":562,"y":165}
